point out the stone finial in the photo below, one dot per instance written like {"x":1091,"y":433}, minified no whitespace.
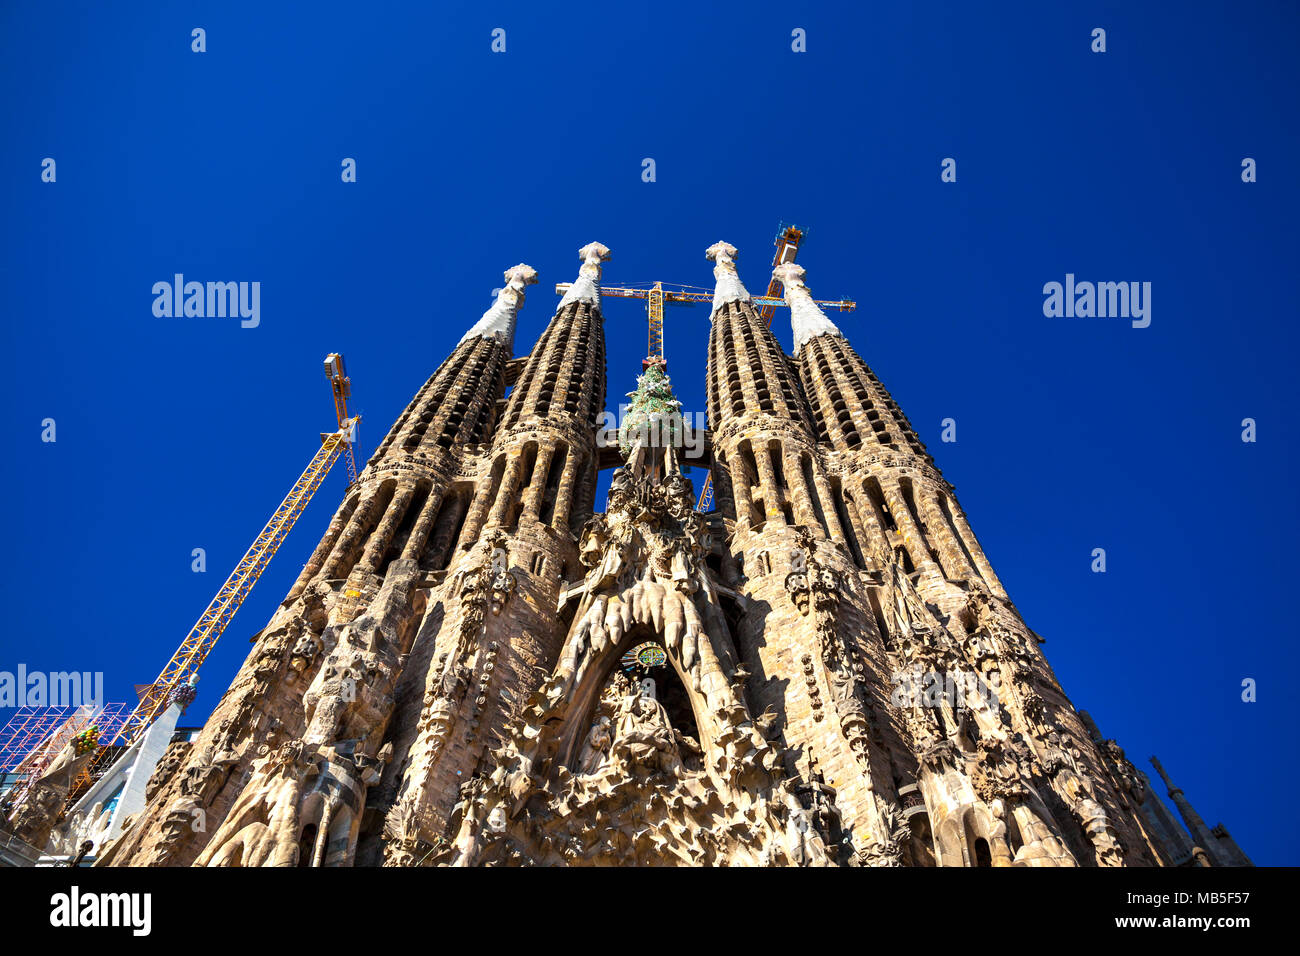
{"x":499,"y":320}
{"x":587,"y":288}
{"x":1169,"y":784}
{"x":519,"y":276}
{"x":593,"y":254}
{"x":790,"y":274}
{"x":729,"y":287}
{"x":723,"y":253}
{"x":807,"y":320}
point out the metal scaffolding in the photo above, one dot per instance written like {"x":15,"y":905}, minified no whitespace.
{"x":33,"y":737}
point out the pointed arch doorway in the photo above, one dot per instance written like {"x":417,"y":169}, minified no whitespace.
{"x":640,"y":664}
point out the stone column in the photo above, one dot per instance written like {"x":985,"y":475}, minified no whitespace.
{"x":913,"y":537}
{"x":724,"y":499}
{"x":955,"y":565}
{"x":423,"y":524}
{"x":744,"y":504}
{"x":800,"y":496}
{"x":772,"y":499}
{"x":482,"y":501}
{"x":509,"y":488}
{"x":541,"y":471}
{"x":443,"y":542}
{"x":383,"y":536}
{"x":828,"y":506}
{"x":358,"y":527}
{"x":564,"y":495}
{"x":877,"y":540}
{"x":870,"y":535}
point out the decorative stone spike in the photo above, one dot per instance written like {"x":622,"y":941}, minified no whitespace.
{"x":499,"y":320}
{"x":729,"y":287}
{"x":806,"y":317}
{"x":587,"y":288}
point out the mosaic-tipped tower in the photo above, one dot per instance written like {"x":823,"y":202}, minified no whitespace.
{"x":532,"y":485}
{"x":899,"y":499}
{"x":996,"y":768}
{"x":813,"y":646}
{"x":762,"y":434}
{"x":284,"y":768}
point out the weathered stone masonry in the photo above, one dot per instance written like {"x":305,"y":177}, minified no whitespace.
{"x":476,"y":667}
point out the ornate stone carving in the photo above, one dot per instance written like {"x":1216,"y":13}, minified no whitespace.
{"x":306,"y":794}
{"x":886,"y":849}
{"x":592,"y":775}
{"x":1062,"y":764}
{"x":815,"y":588}
{"x":519,"y":733}
{"x":171,"y":760}
{"x":502,"y":581}
{"x":1130,"y":781}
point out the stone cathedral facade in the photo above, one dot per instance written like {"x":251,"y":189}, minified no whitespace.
{"x":481,"y":664}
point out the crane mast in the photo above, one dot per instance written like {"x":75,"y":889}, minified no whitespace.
{"x":183,"y":667}
{"x":788,"y":238}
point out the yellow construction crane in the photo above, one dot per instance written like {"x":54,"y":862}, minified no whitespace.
{"x":656,"y":296}
{"x":194,"y":649}
{"x":341,"y":386}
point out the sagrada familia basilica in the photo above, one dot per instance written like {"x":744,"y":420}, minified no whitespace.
{"x":480,"y":664}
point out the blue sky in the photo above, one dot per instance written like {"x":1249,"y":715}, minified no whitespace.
{"x":1073,"y":434}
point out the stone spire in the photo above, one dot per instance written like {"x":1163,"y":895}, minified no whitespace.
{"x":587,"y":288}
{"x":729,"y":287}
{"x":499,"y":320}
{"x":806,"y":317}
{"x":1201,"y":834}
{"x":850,"y":406}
